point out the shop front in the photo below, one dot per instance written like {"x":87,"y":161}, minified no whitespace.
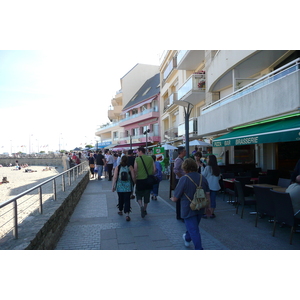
{"x":270,"y":144}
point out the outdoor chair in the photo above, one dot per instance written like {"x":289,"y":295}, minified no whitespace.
{"x":241,"y":199}
{"x":264,"y":179}
{"x":284,"y":182}
{"x":274,"y":174}
{"x":284,"y":212}
{"x":264,"y":203}
{"x":228,"y":187}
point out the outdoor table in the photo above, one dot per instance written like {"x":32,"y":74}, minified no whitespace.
{"x":271,"y":186}
{"x":230,"y":180}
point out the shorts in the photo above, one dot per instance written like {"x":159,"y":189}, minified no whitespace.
{"x":143,"y":194}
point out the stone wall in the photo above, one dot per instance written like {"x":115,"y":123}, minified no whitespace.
{"x":43,"y":231}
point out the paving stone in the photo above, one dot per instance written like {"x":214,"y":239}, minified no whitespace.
{"x":96,"y":225}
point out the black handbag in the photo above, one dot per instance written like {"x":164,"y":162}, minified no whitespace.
{"x":151,"y":180}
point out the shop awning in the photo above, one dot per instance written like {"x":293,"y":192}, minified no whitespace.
{"x":134,"y":145}
{"x":285,"y":130}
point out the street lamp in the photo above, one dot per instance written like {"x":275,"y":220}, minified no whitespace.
{"x":146,"y":132}
{"x":187,"y":114}
{"x":188,"y":107}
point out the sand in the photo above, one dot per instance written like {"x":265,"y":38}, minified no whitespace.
{"x":20,"y":181}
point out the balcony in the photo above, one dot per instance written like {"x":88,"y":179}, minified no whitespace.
{"x":193,"y":90}
{"x":171,"y":133}
{"x":152,"y":137}
{"x":118,"y":99}
{"x":171,"y":66}
{"x":114,"y":112}
{"x":193,"y":131}
{"x":107,"y":127}
{"x":274,"y":94}
{"x":142,"y":116}
{"x":170,"y":101}
{"x":189,"y":59}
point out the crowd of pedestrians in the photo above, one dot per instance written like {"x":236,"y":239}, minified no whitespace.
{"x":129,"y":174}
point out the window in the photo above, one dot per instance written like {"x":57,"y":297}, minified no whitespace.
{"x":134,"y":111}
{"x":147,"y":90}
{"x":135,"y":131}
{"x":133,"y":98}
{"x":115,"y":135}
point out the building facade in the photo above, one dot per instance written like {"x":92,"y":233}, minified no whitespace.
{"x":112,"y":135}
{"x":245,"y":102}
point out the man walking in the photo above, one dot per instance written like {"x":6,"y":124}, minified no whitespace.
{"x":142,"y":191}
{"x":179,"y":173}
{"x":100,"y":162}
{"x":109,"y":164}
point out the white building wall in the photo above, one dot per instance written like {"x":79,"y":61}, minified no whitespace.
{"x":277,"y":98}
{"x":223,"y":61}
{"x":135,"y":78}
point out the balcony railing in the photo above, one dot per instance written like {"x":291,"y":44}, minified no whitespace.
{"x":256,"y":85}
{"x":171,"y":66}
{"x":181,"y":54}
{"x":192,"y":127}
{"x":107,"y":126}
{"x":170,"y":101}
{"x":144,"y":112}
{"x":15,"y":210}
{"x":195,"y":83}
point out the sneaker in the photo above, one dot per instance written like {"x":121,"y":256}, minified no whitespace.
{"x":212,"y":216}
{"x":186,"y":243}
{"x":204,"y":216}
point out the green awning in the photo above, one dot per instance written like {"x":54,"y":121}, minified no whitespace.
{"x":285,"y":130}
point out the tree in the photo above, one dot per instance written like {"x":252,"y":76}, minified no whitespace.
{"x":89,"y":146}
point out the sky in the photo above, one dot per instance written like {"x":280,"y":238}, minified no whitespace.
{"x":59,"y":97}
{"x":61,"y":64}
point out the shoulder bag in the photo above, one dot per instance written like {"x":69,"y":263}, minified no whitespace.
{"x":151,"y":180}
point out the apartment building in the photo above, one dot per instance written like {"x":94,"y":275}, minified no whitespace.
{"x":141,"y":117}
{"x":245,"y":102}
{"x":111,"y":134}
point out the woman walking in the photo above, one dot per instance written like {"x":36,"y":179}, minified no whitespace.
{"x":158,"y":175}
{"x":92,"y":164}
{"x":212,"y":173}
{"x":186,"y":187}
{"x":123,"y":181}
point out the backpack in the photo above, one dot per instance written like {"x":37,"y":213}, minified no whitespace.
{"x":199,"y":201}
{"x":123,"y":175}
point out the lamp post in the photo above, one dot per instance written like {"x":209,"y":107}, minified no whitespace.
{"x":187,"y":114}
{"x":130,"y":137}
{"x":146,"y":132}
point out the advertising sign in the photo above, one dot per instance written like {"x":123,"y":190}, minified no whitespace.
{"x":159,"y":152}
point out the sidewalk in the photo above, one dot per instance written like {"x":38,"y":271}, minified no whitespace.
{"x":96,"y":225}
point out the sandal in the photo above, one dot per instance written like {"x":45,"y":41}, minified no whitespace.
{"x":127,"y":218}
{"x":120,"y":213}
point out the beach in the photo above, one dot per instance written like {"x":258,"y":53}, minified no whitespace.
{"x":20,"y":181}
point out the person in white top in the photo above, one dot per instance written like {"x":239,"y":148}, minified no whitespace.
{"x":109,"y":164}
{"x":212,"y":173}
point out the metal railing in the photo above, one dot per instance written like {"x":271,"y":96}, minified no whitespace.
{"x":289,"y":68}
{"x":35,"y":201}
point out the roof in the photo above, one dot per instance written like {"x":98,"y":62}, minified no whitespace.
{"x":149,"y":89}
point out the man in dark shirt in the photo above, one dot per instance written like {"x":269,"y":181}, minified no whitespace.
{"x":100,"y":162}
